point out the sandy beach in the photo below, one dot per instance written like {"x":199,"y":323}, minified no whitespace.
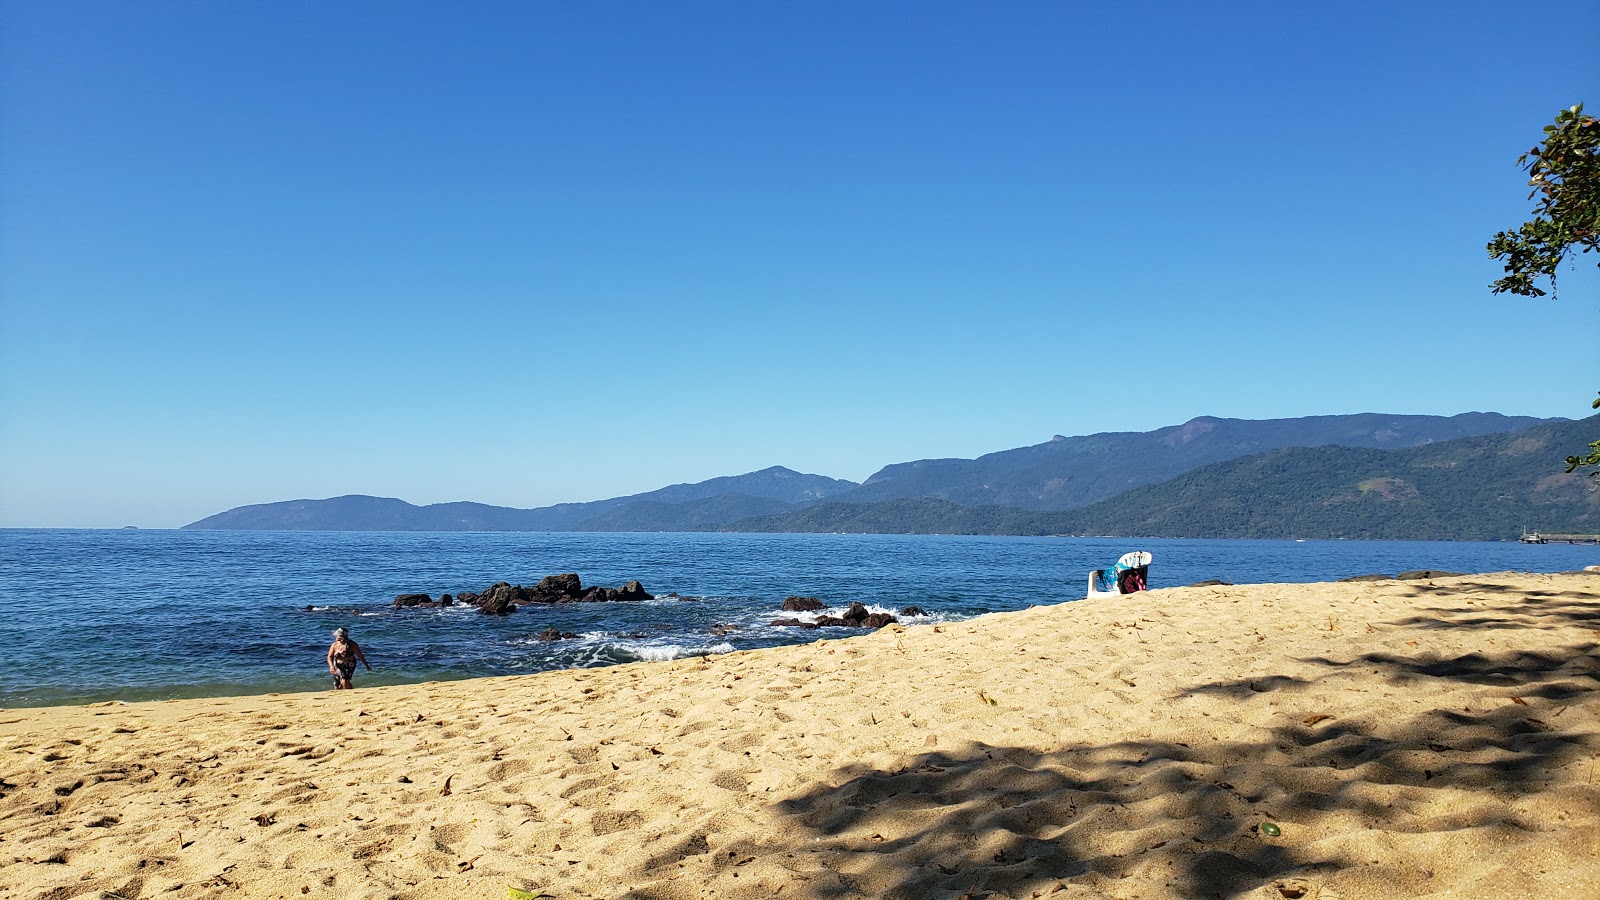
{"x":1346,"y":740}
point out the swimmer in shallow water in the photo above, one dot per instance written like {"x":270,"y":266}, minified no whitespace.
{"x":342,"y":656}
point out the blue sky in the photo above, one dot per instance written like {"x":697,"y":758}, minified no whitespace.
{"x":525,"y":253}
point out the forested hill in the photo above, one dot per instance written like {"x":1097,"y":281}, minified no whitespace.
{"x":1480,"y":488}
{"x":1019,"y":491}
{"x":720,"y":499}
{"x":1069,"y":472}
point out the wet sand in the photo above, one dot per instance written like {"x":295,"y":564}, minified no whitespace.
{"x":1419,"y":738}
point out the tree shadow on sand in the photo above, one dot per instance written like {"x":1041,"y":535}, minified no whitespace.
{"x":1014,"y":822}
{"x":1451,"y":605}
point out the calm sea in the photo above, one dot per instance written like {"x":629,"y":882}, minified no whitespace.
{"x":142,"y":615}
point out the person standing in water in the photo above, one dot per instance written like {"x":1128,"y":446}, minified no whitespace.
{"x":342,"y":656}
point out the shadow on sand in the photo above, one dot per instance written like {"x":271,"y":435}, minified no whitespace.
{"x":1002,"y":821}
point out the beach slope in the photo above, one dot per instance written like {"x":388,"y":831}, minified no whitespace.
{"x":1349,"y":740}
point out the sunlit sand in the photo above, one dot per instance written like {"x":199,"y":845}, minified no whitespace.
{"x":1401,"y":738}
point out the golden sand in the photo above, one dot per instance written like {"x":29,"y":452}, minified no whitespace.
{"x":1405,"y":738}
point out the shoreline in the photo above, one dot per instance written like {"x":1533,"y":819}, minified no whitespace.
{"x":1407,"y":738}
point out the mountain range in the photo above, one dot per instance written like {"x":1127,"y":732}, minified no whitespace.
{"x":1068,"y":472}
{"x":1474,"y":475}
{"x":1478,"y":488}
{"x":717,"y":501}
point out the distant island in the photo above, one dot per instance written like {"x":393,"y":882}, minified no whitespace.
{"x":1474,"y":476}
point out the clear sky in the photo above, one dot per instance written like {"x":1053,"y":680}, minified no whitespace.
{"x":526,"y":253}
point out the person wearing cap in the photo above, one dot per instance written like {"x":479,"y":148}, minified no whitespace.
{"x":342,"y":656}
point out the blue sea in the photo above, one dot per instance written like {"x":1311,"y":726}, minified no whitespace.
{"x":144,"y":615}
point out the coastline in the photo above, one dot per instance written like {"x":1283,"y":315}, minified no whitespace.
{"x":1408,"y":738}
{"x":87,"y":629}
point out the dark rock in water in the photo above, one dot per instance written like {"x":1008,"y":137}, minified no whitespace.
{"x":501,"y":599}
{"x":857,"y":616}
{"x":498,"y":606}
{"x":913,"y":611}
{"x":729,"y":629}
{"x":632,"y":591}
{"x":1424,"y":574}
{"x":554,"y":634}
{"x":1369,"y":578}
{"x":568,"y":588}
{"x":1212,"y":582}
{"x":793,"y":623}
{"x":803,"y":604}
{"x":556,"y":587}
{"x":422,"y":601}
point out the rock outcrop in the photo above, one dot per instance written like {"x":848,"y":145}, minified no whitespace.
{"x":855,"y":615}
{"x":793,"y":623}
{"x":503,"y":597}
{"x":559,"y":587}
{"x":421,"y":601}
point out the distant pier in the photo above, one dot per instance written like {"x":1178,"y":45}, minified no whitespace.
{"x":1567,"y":538}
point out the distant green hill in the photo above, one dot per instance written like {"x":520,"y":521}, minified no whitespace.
{"x":690,"y":515}
{"x":1069,"y":472}
{"x":1173,"y":480}
{"x":688,"y":506}
{"x":913,"y":515}
{"x":1481,"y":488}
{"x":1477,"y":488}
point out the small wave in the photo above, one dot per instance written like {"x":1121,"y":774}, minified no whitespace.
{"x":664,"y":652}
{"x":834,"y":611}
{"x":672,"y":599}
{"x":927,"y":618}
{"x":586,"y":638}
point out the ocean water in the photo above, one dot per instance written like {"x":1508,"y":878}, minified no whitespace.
{"x":142,"y":615}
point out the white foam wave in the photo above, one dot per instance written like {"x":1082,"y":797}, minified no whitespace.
{"x":833,"y":611}
{"x":671,"y":600}
{"x":664,"y":652}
